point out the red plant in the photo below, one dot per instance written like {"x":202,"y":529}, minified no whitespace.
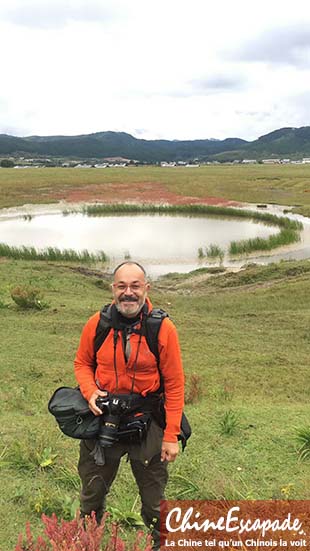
{"x":78,"y":535}
{"x":139,"y":545}
{"x":115,"y":543}
{"x":193,"y":390}
{"x":30,"y":545}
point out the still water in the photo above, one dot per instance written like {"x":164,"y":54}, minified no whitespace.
{"x":152,"y":239}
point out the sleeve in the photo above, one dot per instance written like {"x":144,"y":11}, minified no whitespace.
{"x":173,"y":377}
{"x":85,"y":358}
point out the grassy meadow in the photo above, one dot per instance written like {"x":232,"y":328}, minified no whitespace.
{"x":245,"y":342}
{"x":246,"y":346}
{"x":280,"y":184}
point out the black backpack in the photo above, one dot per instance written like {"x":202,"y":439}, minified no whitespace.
{"x":150,"y":328}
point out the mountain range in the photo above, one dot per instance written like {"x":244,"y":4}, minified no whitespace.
{"x":288,"y":142}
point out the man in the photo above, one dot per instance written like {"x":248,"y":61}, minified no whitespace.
{"x":126,"y":365}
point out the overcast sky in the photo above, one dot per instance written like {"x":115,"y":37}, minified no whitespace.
{"x":170,"y":69}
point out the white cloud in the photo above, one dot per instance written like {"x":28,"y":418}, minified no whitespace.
{"x":174,"y":70}
{"x":288,"y":45}
{"x":59,"y":13}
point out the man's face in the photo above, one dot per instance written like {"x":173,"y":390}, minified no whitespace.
{"x":129,"y":290}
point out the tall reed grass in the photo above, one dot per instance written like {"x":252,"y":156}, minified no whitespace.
{"x":286,"y":236}
{"x":124,"y":208}
{"x":214,"y":251}
{"x":50,"y":253}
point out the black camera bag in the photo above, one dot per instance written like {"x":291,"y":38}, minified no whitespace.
{"x":73,"y":415}
{"x":134,"y":428}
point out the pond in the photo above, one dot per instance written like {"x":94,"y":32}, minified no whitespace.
{"x":162,"y":242}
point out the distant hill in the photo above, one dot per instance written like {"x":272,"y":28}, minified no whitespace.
{"x":285,"y":142}
{"x":288,"y":142}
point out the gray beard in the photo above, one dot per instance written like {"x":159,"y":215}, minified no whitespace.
{"x":118,"y":308}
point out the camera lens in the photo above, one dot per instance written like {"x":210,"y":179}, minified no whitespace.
{"x":112,"y":411}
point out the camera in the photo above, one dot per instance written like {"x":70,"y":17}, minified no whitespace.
{"x":112,"y":407}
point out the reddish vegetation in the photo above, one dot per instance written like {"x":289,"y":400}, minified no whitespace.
{"x":147,"y":192}
{"x":79,"y":535}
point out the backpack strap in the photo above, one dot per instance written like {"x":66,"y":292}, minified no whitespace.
{"x":152,"y":325}
{"x":103,"y":328}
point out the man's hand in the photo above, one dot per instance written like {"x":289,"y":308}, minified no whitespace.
{"x":92,"y":401}
{"x":169,"y":451}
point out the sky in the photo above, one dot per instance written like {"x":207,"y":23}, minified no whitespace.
{"x":157,"y":69}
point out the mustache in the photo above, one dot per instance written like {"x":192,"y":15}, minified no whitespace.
{"x":129,"y":299}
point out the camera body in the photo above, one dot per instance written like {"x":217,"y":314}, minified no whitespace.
{"x":112,"y":407}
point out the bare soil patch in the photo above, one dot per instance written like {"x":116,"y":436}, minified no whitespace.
{"x":146,"y":192}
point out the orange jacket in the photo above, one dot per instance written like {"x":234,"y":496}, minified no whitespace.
{"x":146,"y":378}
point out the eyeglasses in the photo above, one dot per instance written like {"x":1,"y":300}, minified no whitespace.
{"x":121,"y":287}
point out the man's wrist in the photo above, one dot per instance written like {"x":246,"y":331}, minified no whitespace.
{"x":169,"y":437}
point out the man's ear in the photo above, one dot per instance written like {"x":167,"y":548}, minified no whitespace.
{"x":147,"y":287}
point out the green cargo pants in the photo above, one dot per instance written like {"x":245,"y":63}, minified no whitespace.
{"x":150,"y":474}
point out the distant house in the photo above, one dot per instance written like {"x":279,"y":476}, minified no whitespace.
{"x":306,"y":160}
{"x":271,"y":161}
{"x":165,"y":164}
{"x":249,"y":161}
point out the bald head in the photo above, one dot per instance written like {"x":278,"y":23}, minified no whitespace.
{"x":129,"y":263}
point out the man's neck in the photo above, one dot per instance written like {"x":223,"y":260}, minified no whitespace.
{"x":124,"y":320}
{"x":129,"y":321}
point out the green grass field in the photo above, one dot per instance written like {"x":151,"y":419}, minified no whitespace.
{"x":283,"y":184}
{"x":245,"y":335}
{"x":245,"y":342}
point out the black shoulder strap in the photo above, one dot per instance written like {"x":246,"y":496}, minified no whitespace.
{"x":153,"y":322}
{"x":103,"y":328}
